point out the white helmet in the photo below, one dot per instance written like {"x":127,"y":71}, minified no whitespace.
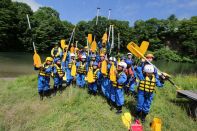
{"x":122,"y":64}
{"x":72,"y":54}
{"x":129,"y":53}
{"x":111,"y":58}
{"x":125,"y":65}
{"x":148,"y":69}
{"x":114,"y":59}
{"x":83,"y":57}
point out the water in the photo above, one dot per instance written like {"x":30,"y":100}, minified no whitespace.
{"x":176,"y":67}
{"x":17,"y":64}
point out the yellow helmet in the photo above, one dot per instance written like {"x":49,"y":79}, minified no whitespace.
{"x":49,"y":59}
{"x":149,"y":56}
{"x":102,"y":54}
{"x":86,"y":47}
{"x":76,"y":49}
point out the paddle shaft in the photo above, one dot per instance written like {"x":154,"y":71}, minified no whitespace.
{"x":64,"y":57}
{"x":109,"y":13}
{"x":118,"y":47}
{"x":88,"y":46}
{"x":112,"y":44}
{"x":109,"y":33}
{"x":30,"y":29}
{"x":97,"y":15}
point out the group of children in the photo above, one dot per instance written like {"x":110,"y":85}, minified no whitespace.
{"x":110,"y":77}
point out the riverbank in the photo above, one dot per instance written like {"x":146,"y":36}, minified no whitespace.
{"x":21,"y":109}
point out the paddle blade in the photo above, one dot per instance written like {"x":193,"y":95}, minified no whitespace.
{"x":112,"y":74}
{"x":94,"y":46}
{"x":132,"y":47}
{"x":90,"y":76}
{"x":73,"y":70}
{"x":126,"y":119}
{"x":72,"y":49}
{"x":63,"y":43}
{"x":90,"y":38}
{"x":144,"y":46}
{"x":104,"y":38}
{"x":104,"y":67}
{"x":37,"y":60}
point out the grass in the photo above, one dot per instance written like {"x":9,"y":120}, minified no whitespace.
{"x":21,"y":109}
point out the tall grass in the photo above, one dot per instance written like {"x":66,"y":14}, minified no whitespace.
{"x":75,"y":109}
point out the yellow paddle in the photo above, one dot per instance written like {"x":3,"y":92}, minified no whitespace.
{"x":89,"y":39}
{"x":36,"y":57}
{"x":104,"y":38}
{"x":63,"y":43}
{"x":94,"y":45}
{"x":90,"y":76}
{"x":135,"y":50}
{"x":131,"y":47}
{"x":73,"y":70}
{"x":112,"y":74}
{"x":144,"y":46}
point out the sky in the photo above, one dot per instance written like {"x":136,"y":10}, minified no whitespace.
{"x":129,"y":10}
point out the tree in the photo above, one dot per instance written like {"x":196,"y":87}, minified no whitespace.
{"x":47,"y":28}
{"x":22,"y":32}
{"x":7,"y":24}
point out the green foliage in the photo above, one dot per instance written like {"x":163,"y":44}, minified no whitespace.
{"x":75,"y":109}
{"x":167,"y":54}
{"x":178,"y":35}
{"x":170,"y":55}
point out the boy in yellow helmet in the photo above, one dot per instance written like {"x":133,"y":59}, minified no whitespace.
{"x":45,"y":71}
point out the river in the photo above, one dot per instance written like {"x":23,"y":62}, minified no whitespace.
{"x":17,"y":64}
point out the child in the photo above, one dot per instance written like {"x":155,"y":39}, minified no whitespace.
{"x":105,"y":82}
{"x":82,"y":68}
{"x":69,"y":77}
{"x":131,"y":78}
{"x":58,"y":74}
{"x":118,"y":86}
{"x":96,"y":75}
{"x":45,"y":71}
{"x":146,"y":87}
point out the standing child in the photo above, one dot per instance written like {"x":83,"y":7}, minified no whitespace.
{"x":131,"y":78}
{"x":71,"y":62}
{"x":147,"y":84}
{"x":82,"y":68}
{"x":96,"y":75}
{"x":45,"y":71}
{"x":105,"y":82}
{"x":58,"y":74}
{"x":118,"y":86}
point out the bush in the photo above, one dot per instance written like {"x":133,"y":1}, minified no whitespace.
{"x":168,"y":55}
{"x":186,"y":59}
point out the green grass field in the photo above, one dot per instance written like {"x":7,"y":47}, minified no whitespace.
{"x":21,"y":109}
